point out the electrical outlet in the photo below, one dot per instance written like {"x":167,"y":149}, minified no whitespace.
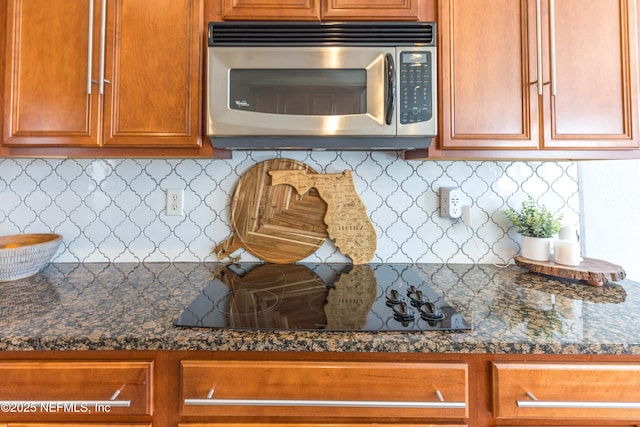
{"x":450,"y":202}
{"x":175,"y":201}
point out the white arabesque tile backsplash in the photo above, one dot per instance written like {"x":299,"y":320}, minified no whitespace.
{"x":112,"y":210}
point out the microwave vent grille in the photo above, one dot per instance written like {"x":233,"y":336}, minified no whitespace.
{"x":321,"y":34}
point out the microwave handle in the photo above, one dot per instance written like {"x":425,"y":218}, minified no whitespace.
{"x":390,"y":88}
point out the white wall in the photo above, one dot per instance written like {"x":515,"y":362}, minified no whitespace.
{"x":610,"y":209}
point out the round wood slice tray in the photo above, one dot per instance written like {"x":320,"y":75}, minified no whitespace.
{"x":274,"y":223}
{"x":594,"y":271}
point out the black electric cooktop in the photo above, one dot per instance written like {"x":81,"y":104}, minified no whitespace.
{"x":332,"y":297}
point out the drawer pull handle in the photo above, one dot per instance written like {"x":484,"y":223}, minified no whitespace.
{"x":115,"y":395}
{"x":90,"y":50}
{"x":440,"y":404}
{"x":111,"y":403}
{"x":535,"y":403}
{"x":539,"y":46}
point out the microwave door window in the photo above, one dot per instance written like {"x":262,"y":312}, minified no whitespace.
{"x":299,"y":92}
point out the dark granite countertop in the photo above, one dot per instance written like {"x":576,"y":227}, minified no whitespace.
{"x":133,"y":306}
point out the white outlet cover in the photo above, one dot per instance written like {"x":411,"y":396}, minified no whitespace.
{"x":175,"y":202}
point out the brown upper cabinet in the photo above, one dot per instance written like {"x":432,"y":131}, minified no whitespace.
{"x":315,"y":10}
{"x":524,"y":78}
{"x":283,"y":10}
{"x":103,"y":77}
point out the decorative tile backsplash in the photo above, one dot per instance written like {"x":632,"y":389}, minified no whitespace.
{"x":113,"y":210}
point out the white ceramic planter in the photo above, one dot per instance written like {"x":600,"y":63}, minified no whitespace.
{"x":536,"y":248}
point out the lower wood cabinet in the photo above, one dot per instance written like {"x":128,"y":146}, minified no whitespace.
{"x":315,"y":425}
{"x":83,"y":388}
{"x":281,"y":389}
{"x":54,"y":393}
{"x":294,"y":389}
{"x":566,"y":391}
{"x":74,"y":425}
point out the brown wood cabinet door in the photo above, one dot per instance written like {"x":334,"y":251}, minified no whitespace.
{"x":284,"y":10}
{"x":152,"y":94}
{"x":426,"y":423}
{"x":566,"y":391}
{"x":313,"y":10}
{"x":489,"y":74}
{"x":371,"y":9}
{"x":74,"y":425}
{"x":595,"y":79}
{"x":487,"y":65}
{"x":48,"y":95}
{"x":47,"y":390}
{"x":330,"y":390}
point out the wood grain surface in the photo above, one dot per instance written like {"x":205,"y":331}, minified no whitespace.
{"x":594,"y":271}
{"x":347,"y":221}
{"x":20,"y":240}
{"x":274,"y":223}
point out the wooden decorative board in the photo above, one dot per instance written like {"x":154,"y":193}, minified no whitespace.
{"x":347,"y":221}
{"x":594,"y":271}
{"x":274,"y":223}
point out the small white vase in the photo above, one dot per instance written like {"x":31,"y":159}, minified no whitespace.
{"x":536,"y":248}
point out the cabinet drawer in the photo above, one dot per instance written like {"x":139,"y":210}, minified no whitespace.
{"x":310,"y":425}
{"x":336,"y":389}
{"x":82,"y":388}
{"x":19,"y":424}
{"x":566,"y":391}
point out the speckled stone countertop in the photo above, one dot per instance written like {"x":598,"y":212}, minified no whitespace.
{"x":133,"y":306}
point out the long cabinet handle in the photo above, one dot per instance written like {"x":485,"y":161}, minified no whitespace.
{"x":90,"y":50}
{"x":539,"y":44}
{"x":552,"y":43}
{"x":103,"y":39}
{"x":440,"y":404}
{"x":535,"y":403}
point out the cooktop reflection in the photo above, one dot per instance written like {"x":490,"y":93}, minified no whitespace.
{"x":333,"y":297}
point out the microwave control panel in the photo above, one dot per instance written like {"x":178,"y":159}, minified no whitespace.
{"x":415,"y":86}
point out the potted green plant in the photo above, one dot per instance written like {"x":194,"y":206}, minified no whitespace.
{"x":537,"y":225}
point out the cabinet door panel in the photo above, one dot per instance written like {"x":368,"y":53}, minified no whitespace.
{"x":305,"y":10}
{"x":239,"y":424}
{"x":332,"y":389}
{"x":33,"y":389}
{"x":153,"y":64}
{"x":487,"y":66}
{"x":566,"y":391}
{"x":595,"y":78}
{"x":74,"y":425}
{"x":371,"y":9}
{"x":48,"y":99}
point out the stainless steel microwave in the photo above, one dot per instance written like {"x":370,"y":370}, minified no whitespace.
{"x":316,"y":85}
